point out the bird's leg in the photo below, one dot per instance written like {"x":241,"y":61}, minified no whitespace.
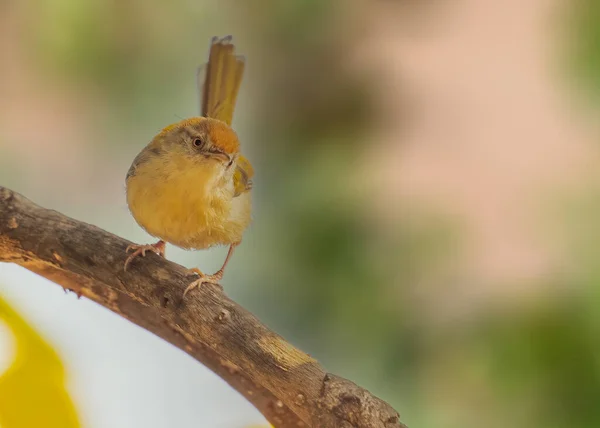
{"x":158,"y":248}
{"x":210,"y":279}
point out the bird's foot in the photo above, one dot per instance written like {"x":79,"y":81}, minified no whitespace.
{"x":158,"y":248}
{"x":204,"y":279}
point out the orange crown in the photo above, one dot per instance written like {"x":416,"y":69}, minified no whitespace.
{"x":219,"y":133}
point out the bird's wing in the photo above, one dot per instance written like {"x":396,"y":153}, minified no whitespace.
{"x":242,"y":177}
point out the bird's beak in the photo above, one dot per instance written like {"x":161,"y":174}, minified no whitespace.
{"x":220,"y":155}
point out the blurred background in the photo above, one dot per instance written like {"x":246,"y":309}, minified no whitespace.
{"x":426,"y":202}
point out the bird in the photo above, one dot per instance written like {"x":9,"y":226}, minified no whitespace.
{"x":191,"y":186}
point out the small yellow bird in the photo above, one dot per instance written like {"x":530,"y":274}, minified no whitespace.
{"x":190,"y":186}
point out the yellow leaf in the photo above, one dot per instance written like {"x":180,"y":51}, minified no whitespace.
{"x":32,"y":390}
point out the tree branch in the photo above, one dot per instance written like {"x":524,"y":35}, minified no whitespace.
{"x":286,"y":385}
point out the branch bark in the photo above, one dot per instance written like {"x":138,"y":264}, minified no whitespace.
{"x":286,"y":385}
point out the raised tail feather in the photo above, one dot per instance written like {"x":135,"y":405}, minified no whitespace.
{"x":220,"y":83}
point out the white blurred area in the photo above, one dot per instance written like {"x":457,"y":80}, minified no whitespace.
{"x":119,"y":375}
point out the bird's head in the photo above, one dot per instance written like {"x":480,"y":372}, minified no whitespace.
{"x":200,"y":139}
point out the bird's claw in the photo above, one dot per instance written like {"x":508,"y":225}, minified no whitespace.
{"x":204,"y":279}
{"x":158,"y":248}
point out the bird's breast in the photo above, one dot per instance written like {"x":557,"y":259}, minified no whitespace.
{"x":189,"y":207}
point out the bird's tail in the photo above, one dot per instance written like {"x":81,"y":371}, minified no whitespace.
{"x":219,"y":80}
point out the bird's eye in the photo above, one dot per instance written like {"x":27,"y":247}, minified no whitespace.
{"x":197,"y":142}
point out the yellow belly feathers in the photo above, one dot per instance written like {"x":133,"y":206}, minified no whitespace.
{"x":188,"y":206}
